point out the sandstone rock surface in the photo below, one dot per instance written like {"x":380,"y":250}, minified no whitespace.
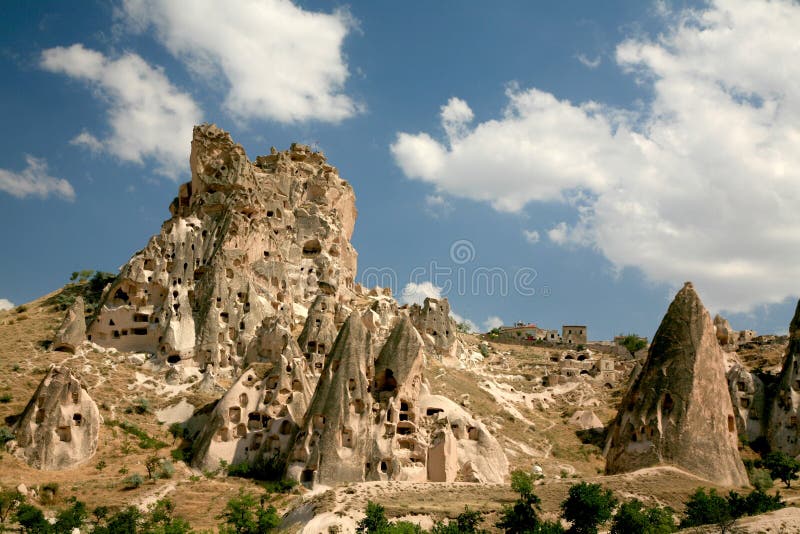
{"x":59,"y":427}
{"x":72,"y":331}
{"x":678,"y":411}
{"x":247,"y":240}
{"x":783,"y":428}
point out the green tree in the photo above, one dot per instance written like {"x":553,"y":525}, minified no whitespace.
{"x":161,"y":520}
{"x":633,"y":343}
{"x":587,"y":506}
{"x":31,"y":520}
{"x":243,"y":514}
{"x":708,"y":509}
{"x":633,"y":517}
{"x":126,"y":521}
{"x":10,"y":499}
{"x":72,"y":517}
{"x":782,"y":466}
{"x":375,"y":519}
{"x":523,"y":516}
{"x":466,"y":523}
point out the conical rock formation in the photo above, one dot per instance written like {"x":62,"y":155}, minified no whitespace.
{"x":59,"y":426}
{"x":72,"y":331}
{"x":678,"y":411}
{"x":336,"y":437}
{"x":784,"y":430}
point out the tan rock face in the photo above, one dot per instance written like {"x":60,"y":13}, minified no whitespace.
{"x":72,"y":331}
{"x":260,"y":414}
{"x":246,"y":241}
{"x":437,"y":328}
{"x":390,"y":427}
{"x":678,"y":411}
{"x":59,"y":426}
{"x":783,"y":424}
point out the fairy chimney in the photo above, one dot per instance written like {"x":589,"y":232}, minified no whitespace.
{"x":59,"y":427}
{"x":783,"y":429}
{"x":336,"y":436}
{"x":678,"y":411}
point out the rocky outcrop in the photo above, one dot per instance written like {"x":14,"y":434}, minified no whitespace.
{"x":784,"y":429}
{"x":749,"y":404}
{"x":319,"y":332}
{"x":390,"y":428}
{"x":247,"y":240}
{"x":437,"y":328}
{"x":72,"y":331}
{"x":260,"y":414}
{"x":336,"y":437}
{"x":678,"y":411}
{"x":59,"y":427}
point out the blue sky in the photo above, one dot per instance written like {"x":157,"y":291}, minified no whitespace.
{"x":590,"y":156}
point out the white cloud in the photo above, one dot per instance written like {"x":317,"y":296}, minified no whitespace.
{"x":493,"y":322}
{"x":703,"y":184}
{"x":148,"y":116}
{"x":531,"y":236}
{"x":279,"y":61}
{"x":437,"y":206}
{"x":417,"y":293}
{"x":34,"y":180}
{"x":456,"y":116}
{"x":88,"y":141}
{"x":6,"y":304}
{"x":591,"y":63}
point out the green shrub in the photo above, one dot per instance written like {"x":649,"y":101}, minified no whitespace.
{"x":243,"y":514}
{"x":783,"y":467}
{"x":145,"y":441}
{"x":707,"y":509}
{"x":5,"y":398}
{"x":760,"y":479}
{"x":133,"y":481}
{"x":633,"y":518}
{"x":6,"y":435}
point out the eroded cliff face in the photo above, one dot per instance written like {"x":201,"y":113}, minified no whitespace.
{"x":247,"y":240}
{"x":679,"y":410}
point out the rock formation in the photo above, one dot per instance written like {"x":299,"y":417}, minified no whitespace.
{"x":678,"y":411}
{"x":783,"y":429}
{"x":337,"y":432}
{"x":389,"y":427}
{"x":319,"y":332}
{"x":748,"y":397}
{"x":72,"y":331}
{"x":246,"y":240}
{"x":260,"y":414}
{"x":252,"y":251}
{"x":59,"y":426}
{"x":437,"y":328}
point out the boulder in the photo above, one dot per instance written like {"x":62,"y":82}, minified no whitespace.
{"x":72,"y":331}
{"x":59,"y":427}
{"x":678,"y":411}
{"x":585,"y":420}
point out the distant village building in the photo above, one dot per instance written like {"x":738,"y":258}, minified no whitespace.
{"x":573,"y":334}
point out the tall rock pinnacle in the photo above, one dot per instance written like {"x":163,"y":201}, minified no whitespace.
{"x":678,"y":411}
